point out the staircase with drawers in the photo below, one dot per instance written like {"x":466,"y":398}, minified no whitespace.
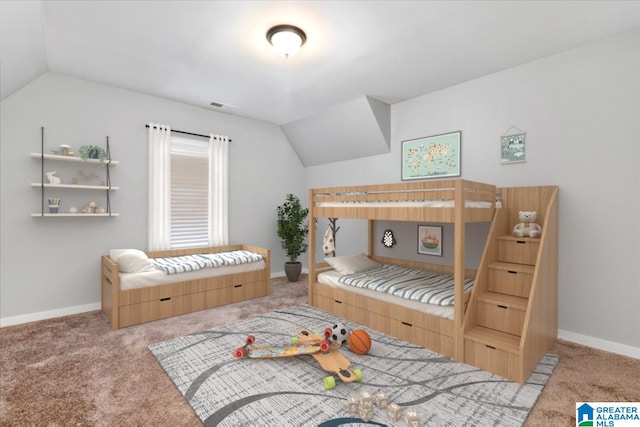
{"x":511,"y":320}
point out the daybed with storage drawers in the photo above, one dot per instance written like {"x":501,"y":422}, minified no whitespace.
{"x":143,"y":293}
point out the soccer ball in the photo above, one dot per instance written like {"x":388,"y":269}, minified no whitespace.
{"x":340,"y":333}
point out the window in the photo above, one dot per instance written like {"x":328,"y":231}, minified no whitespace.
{"x":189,"y":192}
{"x":188,"y":189}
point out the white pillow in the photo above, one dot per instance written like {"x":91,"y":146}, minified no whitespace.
{"x":131,"y":260}
{"x":351,"y":264}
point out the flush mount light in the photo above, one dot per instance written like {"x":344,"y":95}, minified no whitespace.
{"x":287,"y":39}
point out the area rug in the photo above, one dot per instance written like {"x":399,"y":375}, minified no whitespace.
{"x":227,"y":391}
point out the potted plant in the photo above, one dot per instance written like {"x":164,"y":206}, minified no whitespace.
{"x":92,"y":152}
{"x":292,"y":230}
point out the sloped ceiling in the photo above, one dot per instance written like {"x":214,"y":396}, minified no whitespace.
{"x":197,"y":52}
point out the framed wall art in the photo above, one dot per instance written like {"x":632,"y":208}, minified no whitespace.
{"x":430,"y":240}
{"x":431,"y":157}
{"x":512,"y":147}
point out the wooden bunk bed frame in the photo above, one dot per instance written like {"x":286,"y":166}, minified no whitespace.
{"x":130,"y":307}
{"x":510,"y":318}
{"x":433,"y":332}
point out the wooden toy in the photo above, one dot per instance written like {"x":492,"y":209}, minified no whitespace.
{"x":365,"y":413}
{"x":412,"y":419}
{"x":382,"y":399}
{"x":331,"y":361}
{"x":353,"y":403}
{"x":359,"y":341}
{"x":269,"y":351}
{"x":394,"y":412}
{"x":366,"y":400}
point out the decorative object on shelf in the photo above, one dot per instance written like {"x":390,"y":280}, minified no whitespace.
{"x":54,"y":205}
{"x":388,"y":239}
{"x":292,"y":231}
{"x":92,"y":152}
{"x":92,"y":207}
{"x":512,"y":146}
{"x":430,"y":240}
{"x":65,"y":149}
{"x":53,"y":179}
{"x":88,"y":175}
{"x":55,"y":151}
{"x":73,"y":209}
{"x":431,"y":157}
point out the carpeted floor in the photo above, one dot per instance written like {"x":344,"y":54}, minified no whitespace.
{"x":77,"y":371}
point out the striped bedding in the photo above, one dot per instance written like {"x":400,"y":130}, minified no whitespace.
{"x":185,"y":263}
{"x":410,"y":283}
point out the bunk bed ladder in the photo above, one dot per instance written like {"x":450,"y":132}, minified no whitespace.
{"x":511,"y":320}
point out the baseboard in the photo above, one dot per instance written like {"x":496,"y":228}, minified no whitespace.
{"x":600,"y":344}
{"x":50,"y":314}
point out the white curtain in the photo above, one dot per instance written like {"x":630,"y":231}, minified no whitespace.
{"x":218,"y":190}
{"x":159,"y":142}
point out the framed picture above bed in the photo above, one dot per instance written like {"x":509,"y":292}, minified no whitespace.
{"x":435,"y":156}
{"x":430,"y":240}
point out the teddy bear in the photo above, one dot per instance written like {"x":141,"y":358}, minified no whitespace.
{"x":527,"y":226}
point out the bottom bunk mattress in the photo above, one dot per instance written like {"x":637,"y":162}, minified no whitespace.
{"x":417,"y":289}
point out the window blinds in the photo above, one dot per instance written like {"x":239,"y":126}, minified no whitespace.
{"x":189,"y":192}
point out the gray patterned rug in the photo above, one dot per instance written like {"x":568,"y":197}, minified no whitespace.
{"x":227,"y":391}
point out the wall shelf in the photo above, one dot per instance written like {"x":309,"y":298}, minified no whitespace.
{"x":72,"y":159}
{"x":74,"y":214}
{"x":92,"y":165}
{"x":74,"y":186}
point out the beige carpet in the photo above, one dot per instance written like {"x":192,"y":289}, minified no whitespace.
{"x":76,"y":371}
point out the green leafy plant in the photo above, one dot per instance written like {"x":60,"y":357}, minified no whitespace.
{"x":293,"y":227}
{"x":92,"y":152}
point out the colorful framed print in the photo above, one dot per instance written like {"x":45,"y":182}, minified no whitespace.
{"x":430,"y":240}
{"x":431,"y":157}
{"x":512,"y":148}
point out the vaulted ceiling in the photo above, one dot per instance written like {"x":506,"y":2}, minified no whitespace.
{"x":359,"y":55}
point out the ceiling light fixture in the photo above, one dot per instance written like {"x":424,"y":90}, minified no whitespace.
{"x":287,"y":39}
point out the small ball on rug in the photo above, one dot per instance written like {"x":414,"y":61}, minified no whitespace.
{"x":359,"y":341}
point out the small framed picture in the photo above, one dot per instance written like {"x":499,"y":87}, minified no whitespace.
{"x":430,"y":240}
{"x":431,"y":157}
{"x":512,"y":148}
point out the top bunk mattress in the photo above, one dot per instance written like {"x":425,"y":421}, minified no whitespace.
{"x":404,"y":204}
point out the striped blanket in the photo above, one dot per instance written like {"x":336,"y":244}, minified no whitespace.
{"x":184,"y":263}
{"x":410,"y":283}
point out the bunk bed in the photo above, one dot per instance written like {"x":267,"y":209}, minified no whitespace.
{"x":455,"y":201}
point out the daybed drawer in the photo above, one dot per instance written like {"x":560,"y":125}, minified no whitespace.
{"x":500,"y":317}
{"x":510,"y":279}
{"x":490,"y":358}
{"x":519,"y":250}
{"x":148,"y":311}
{"x":235,"y":293}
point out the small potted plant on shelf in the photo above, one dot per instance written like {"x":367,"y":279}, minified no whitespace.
{"x":292,"y":230}
{"x":92,"y":152}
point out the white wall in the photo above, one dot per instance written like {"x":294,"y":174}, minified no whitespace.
{"x":52,"y":264}
{"x":581,"y":112}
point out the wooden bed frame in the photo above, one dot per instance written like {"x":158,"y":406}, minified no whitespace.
{"x":432,"y":332}
{"x":131,"y":307}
